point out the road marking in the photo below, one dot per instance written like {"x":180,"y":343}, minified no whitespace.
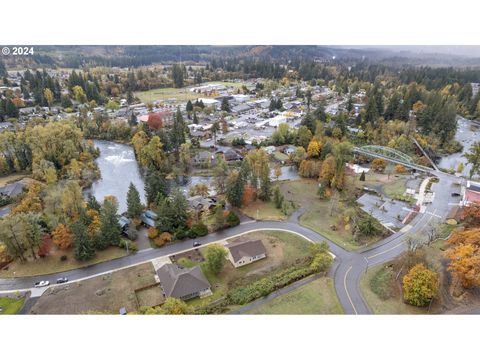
{"x":406,"y":228}
{"x":345,"y":286}
{"x":248,"y":222}
{"x":433,"y":214}
{"x":159,"y":257}
{"x":385,"y":251}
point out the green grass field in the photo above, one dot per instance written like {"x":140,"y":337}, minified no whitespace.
{"x":52,"y":264}
{"x":317,"y":297}
{"x":260,"y":210}
{"x":9,"y":306}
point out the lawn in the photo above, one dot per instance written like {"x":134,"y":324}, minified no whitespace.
{"x":323,"y":216}
{"x":282,"y":248}
{"x":260,"y":210}
{"x":101,"y":294}
{"x":279,"y":156}
{"x":183,"y":94}
{"x":317,"y":297}
{"x":9,"y":306}
{"x":52,"y":263}
{"x":390,"y":186}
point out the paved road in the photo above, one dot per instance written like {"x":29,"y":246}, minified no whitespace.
{"x":349,"y":266}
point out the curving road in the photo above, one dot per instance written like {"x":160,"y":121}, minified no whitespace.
{"x":348,"y":268}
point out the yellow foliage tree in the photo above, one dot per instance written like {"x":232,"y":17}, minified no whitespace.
{"x":314,"y":148}
{"x":31,"y":202}
{"x":378,"y":165}
{"x":400,"y":169}
{"x":420,"y":285}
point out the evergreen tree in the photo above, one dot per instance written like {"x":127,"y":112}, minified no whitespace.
{"x":235,"y":188}
{"x":178,"y":131}
{"x":155,"y":184}
{"x":277,"y":197}
{"x":195,"y":118}
{"x":177,"y":75}
{"x":134,"y":205}
{"x":189,"y":106}
{"x":362,"y":176}
{"x":225,"y":105}
{"x":83,"y":247}
{"x":92,"y":203}
{"x":110,"y":230}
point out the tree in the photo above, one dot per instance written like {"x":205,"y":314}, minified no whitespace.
{"x":134,"y":205}
{"x":62,"y":236}
{"x":314,"y":148}
{"x":473,"y":158}
{"x":83,"y":246}
{"x":225,"y":105}
{"x":177,"y":76}
{"x":155,"y":185}
{"x":420,"y":285}
{"x":234,"y":188}
{"x":199,"y":189}
{"x":172,"y":212}
{"x":277,"y":197}
{"x":378,"y":165}
{"x":321,"y":262}
{"x":464,"y":255}
{"x":233,"y":219}
{"x":11,"y":235}
{"x":110,"y":229}
{"x":185,"y":158}
{"x":79,"y":94}
{"x":32,"y":232}
{"x":189,"y":106}
{"x":219,"y":217}
{"x":362,"y":176}
{"x":215,"y":257}
{"x":278,"y":171}
{"x":400,"y":169}
{"x":303,"y":136}
{"x":48,"y":95}
{"x":173,"y":306}
{"x":367,"y":226}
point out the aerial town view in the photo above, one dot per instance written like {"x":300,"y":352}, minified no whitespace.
{"x":238,"y":180}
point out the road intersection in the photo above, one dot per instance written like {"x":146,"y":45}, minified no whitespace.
{"x":346,"y":272}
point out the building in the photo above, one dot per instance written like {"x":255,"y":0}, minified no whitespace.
{"x":200,"y":203}
{"x":471,"y":194}
{"x":183,"y":283}
{"x":246,"y":252}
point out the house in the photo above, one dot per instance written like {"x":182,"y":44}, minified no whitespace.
{"x":246,"y":252}
{"x":183,"y":283}
{"x":148,"y":218}
{"x":203,"y":157}
{"x":231,"y":155}
{"x":240,"y":108}
{"x":471,"y":194}
{"x":12,"y":190}
{"x":201,"y":203}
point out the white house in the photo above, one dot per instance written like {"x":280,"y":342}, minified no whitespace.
{"x":246,"y":252}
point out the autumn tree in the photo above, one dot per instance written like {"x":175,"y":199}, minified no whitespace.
{"x":420,"y":285}
{"x":48,"y":95}
{"x":400,"y":169}
{"x":314,"y":149}
{"x":464,"y":255}
{"x":378,"y":165}
{"x":473,"y":158}
{"x":62,"y":236}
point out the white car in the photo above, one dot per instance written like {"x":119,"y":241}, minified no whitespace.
{"x":42,"y":283}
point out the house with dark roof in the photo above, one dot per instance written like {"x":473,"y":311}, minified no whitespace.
{"x":246,"y":252}
{"x":183,"y":283}
{"x":148,"y":218}
{"x":12,"y":190}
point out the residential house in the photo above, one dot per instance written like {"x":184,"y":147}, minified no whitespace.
{"x":12,"y":190}
{"x":203,"y":158}
{"x":246,"y":252}
{"x":183,"y":283}
{"x":200,"y":203}
{"x":231,"y":155}
{"x":471,"y":194}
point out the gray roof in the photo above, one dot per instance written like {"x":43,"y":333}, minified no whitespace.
{"x":246,"y":249}
{"x":178,"y":282}
{"x":12,"y":190}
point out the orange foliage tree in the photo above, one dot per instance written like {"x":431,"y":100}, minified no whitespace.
{"x":471,"y":215}
{"x":248,"y":192}
{"x":464,"y":255}
{"x":62,"y":236}
{"x":31,"y":201}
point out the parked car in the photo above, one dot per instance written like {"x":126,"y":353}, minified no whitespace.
{"x":62,"y":280}
{"x":42,"y":283}
{"x":196,"y":244}
{"x":455,"y":194}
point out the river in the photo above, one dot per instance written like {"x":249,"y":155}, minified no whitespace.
{"x":118,"y":168}
{"x":466,"y":134}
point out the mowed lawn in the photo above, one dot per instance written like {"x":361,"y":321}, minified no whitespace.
{"x":52,"y":263}
{"x":9,"y":306}
{"x":317,"y":297}
{"x":260,"y":210}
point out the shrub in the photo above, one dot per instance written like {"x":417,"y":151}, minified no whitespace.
{"x":159,"y":242}
{"x":63,"y":258}
{"x":166,"y":237}
{"x":131,"y":245}
{"x":245,"y":294}
{"x":152,"y":233}
{"x":321,"y":262}
{"x":400,"y":169}
{"x":197,"y":230}
{"x":420,"y":285}
{"x":232,"y":219}
{"x":180,"y":234}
